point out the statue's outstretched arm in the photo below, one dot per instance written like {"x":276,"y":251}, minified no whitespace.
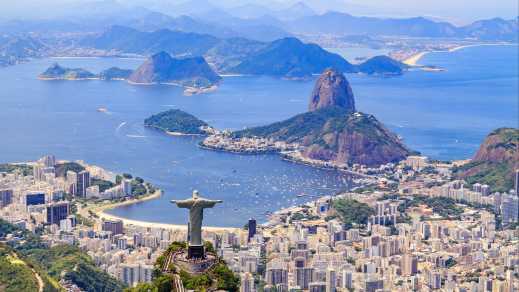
{"x":210,"y":203}
{"x":183,"y":203}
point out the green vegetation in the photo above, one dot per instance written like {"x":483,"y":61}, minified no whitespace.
{"x":451,"y":262}
{"x":59,"y":262}
{"x":84,"y":221}
{"x":10,"y":168}
{"x":320,"y":131}
{"x":382,"y":65}
{"x":219,"y":276}
{"x":138,"y":187}
{"x":119,"y":178}
{"x":15,"y":275}
{"x":300,"y":126}
{"x":302,"y":215}
{"x":509,"y":137}
{"x":114,"y":73}
{"x":103,"y":184}
{"x":176,"y":121}
{"x":497,"y":175}
{"x":352,"y":211}
{"x":62,"y":168}
{"x":162,"y":283}
{"x":195,"y":282}
{"x":495,"y":162}
{"x":225,"y":279}
{"x":445,"y":207}
{"x":57,"y":72}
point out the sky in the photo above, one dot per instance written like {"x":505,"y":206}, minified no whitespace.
{"x":457,"y":11}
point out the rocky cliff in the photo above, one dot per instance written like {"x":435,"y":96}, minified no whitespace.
{"x":333,"y":131}
{"x":162,"y":68}
{"x":495,"y":161}
{"x":332,"y":89}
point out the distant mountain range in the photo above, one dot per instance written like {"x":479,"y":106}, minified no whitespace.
{"x":251,"y":11}
{"x":253,"y":21}
{"x":16,"y":49}
{"x":197,"y":27}
{"x":346,"y":24}
{"x":129,"y":40}
{"x":287,"y":57}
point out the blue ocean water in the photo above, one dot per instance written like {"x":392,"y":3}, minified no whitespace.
{"x":445,"y":115}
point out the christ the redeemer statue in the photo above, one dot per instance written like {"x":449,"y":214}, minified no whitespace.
{"x":196,"y":206}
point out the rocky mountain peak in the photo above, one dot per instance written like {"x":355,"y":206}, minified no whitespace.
{"x":332,"y":89}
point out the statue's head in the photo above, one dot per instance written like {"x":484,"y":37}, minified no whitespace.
{"x":195,"y":194}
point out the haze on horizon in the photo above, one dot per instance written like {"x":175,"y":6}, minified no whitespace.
{"x":455,"y":11}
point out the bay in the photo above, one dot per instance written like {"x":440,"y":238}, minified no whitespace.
{"x":444,"y":115}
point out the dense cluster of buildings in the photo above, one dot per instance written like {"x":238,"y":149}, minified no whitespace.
{"x":224,"y":141}
{"x":414,"y":249}
{"x":304,"y":247}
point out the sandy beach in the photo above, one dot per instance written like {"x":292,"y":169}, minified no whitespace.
{"x":479,"y":45}
{"x":99,"y":210}
{"x":414,"y":59}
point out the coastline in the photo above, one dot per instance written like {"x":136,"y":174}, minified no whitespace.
{"x":176,"y":134}
{"x":414,"y":59}
{"x":100,"y":211}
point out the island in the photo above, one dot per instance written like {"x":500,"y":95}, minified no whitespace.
{"x":115,"y":73}
{"x":57,"y":72}
{"x":178,"y":122}
{"x":193,"y":73}
{"x":382,"y":65}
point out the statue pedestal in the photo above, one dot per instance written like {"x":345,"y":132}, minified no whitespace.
{"x":195,"y":266}
{"x":195,"y":252}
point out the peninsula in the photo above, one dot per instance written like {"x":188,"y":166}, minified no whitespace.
{"x":332,"y":131}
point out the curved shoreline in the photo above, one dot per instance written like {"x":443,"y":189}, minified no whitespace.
{"x":100,"y":211}
{"x":414,"y":59}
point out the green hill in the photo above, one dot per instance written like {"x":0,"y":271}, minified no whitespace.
{"x":335,"y":134}
{"x":56,"y":72}
{"x":162,"y":68}
{"x":176,"y":121}
{"x":15,"y":275}
{"x":495,"y":162}
{"x":289,"y":57}
{"x":58,"y":262}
